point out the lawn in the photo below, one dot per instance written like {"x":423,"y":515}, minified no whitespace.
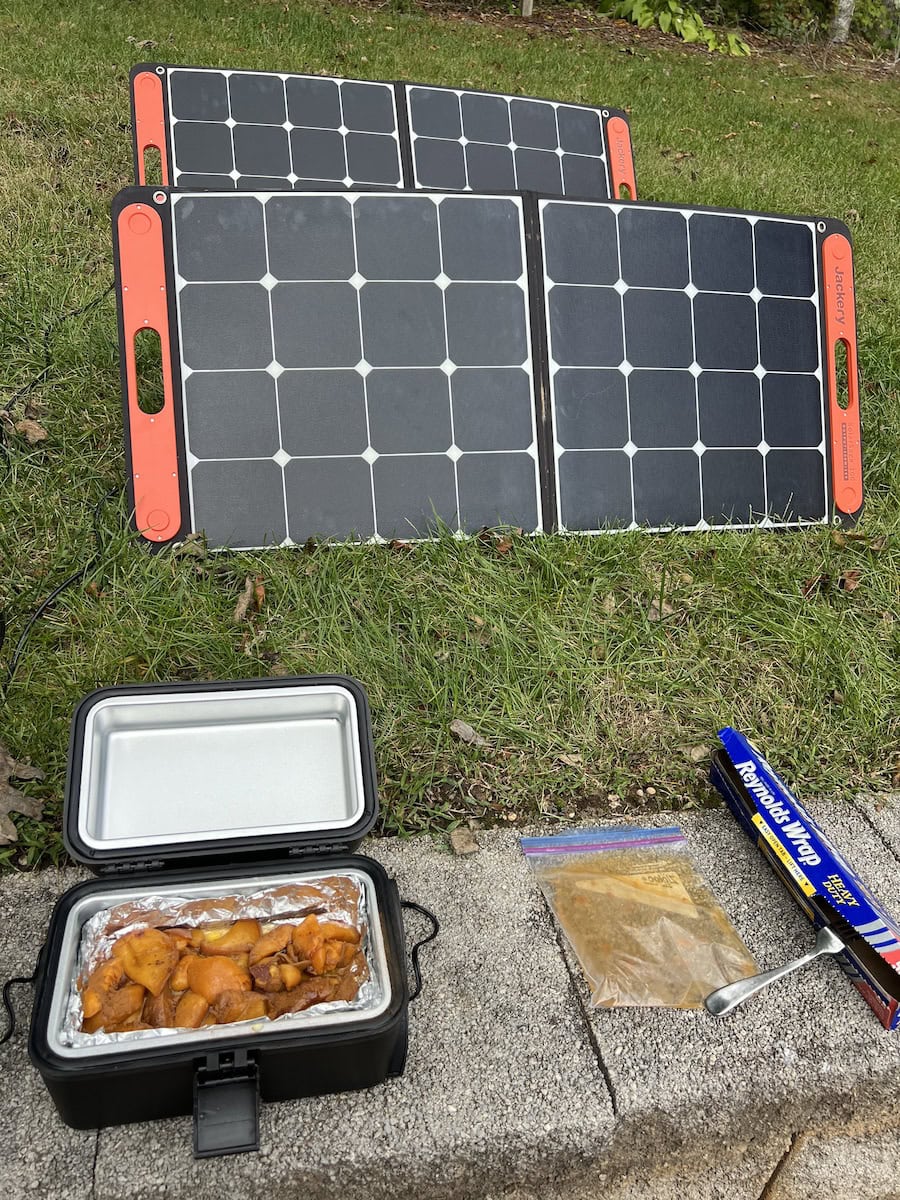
{"x":590,"y":665}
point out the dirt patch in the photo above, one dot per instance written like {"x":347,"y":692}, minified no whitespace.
{"x":563,"y":21}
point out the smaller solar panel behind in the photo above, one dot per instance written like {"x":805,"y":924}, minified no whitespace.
{"x":260,"y":130}
{"x":354,"y":365}
{"x":480,"y":141}
{"x":685,"y":373}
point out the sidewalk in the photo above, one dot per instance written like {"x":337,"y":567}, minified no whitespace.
{"x":514,"y":1086}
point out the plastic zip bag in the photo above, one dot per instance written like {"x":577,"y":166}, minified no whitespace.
{"x":644,"y":925}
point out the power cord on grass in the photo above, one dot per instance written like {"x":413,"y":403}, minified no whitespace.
{"x":36,"y":615}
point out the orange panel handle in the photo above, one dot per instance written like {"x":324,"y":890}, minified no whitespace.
{"x":154,"y":449}
{"x":621,"y":159}
{"x":840,"y":326}
{"x":149,"y":122}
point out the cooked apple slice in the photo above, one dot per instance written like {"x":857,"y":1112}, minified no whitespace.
{"x":271,"y":943}
{"x":148,"y":957}
{"x":238,"y":1006}
{"x":239,"y":938}
{"x":210,"y":977}
{"x":191,"y":1011}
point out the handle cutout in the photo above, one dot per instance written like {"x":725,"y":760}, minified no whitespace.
{"x":621,"y":159}
{"x":149,"y":126}
{"x":151,"y":396}
{"x":842,"y":373}
{"x":841,"y":392}
{"x":151,"y":174}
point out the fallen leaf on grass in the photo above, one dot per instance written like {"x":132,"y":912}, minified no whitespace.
{"x":816,"y":583}
{"x":729,"y":136}
{"x":193,"y":546}
{"x":609,"y":604}
{"x":504,"y":545}
{"x":11,"y":799}
{"x":849,"y":580}
{"x":675,"y":155}
{"x":657,"y":611}
{"x":836,"y":696}
{"x":31,"y":431}
{"x":142,"y":44}
{"x":571,"y":760}
{"x":463,"y":842}
{"x":250,"y":600}
{"x":848,"y":537}
{"x":400,"y":547}
{"x":466,"y":733}
{"x":697,"y":753}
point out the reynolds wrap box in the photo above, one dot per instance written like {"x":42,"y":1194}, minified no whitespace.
{"x":814,"y":871}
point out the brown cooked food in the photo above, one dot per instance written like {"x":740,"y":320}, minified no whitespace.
{"x":217,"y":974}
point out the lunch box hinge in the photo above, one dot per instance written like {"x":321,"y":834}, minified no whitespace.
{"x":311,"y":851}
{"x":226,"y":1105}
{"x":132,"y":868}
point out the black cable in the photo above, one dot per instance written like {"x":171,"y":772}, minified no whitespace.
{"x":57,"y":591}
{"x":7,"y":1004}
{"x":414,"y":953}
{"x":49,"y":330}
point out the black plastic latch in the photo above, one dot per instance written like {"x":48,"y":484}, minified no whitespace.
{"x":226,"y":1105}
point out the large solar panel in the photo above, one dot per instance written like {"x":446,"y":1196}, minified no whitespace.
{"x":380,"y":365}
{"x":351,"y":364}
{"x":685,"y":367}
{"x":257,"y":130}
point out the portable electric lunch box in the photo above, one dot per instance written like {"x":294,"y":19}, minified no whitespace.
{"x":203,"y":790}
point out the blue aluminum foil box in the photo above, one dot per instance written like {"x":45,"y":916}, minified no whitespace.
{"x":813,"y":870}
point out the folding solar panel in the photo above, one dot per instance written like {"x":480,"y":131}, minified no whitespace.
{"x":691,"y":380}
{"x":258,"y":130}
{"x":383,"y":364}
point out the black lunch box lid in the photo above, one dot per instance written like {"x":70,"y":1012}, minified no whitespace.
{"x":168,"y":774}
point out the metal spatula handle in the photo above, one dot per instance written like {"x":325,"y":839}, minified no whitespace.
{"x":724,"y":999}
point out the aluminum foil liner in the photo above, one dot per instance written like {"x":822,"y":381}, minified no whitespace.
{"x":335,"y":897}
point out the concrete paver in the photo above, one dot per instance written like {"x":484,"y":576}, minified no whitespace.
{"x":515,"y":1088}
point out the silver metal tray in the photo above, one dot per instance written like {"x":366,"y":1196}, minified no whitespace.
{"x":328,"y":1015}
{"x":167,"y":768}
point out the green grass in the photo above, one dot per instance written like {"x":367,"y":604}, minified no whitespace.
{"x":547,"y":650}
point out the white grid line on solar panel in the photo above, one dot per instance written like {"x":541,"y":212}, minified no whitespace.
{"x":463,"y":140}
{"x":762,"y":413}
{"x":553,"y":415}
{"x":292,"y":176}
{"x":697,"y":446}
{"x":265,"y":229}
{"x":626,"y":369}
{"x":281,"y":457}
